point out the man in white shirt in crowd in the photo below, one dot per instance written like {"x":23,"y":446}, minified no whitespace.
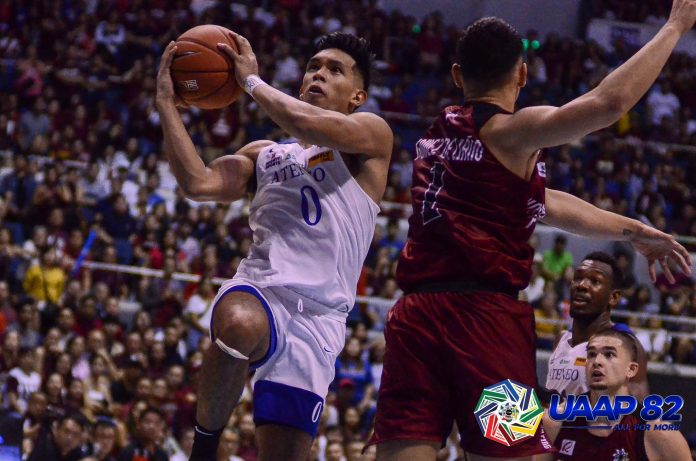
{"x":663,"y":103}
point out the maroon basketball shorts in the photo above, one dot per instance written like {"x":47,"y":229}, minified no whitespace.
{"x":443,"y":349}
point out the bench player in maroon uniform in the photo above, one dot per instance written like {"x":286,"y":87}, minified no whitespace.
{"x":612,"y":360}
{"x":478,"y":191}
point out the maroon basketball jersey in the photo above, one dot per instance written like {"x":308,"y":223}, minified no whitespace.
{"x":472,"y":217}
{"x":620,"y":445}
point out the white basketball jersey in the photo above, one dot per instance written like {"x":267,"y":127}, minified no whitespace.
{"x":312,"y":227}
{"x":567,"y":367}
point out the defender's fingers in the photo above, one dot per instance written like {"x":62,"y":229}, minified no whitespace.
{"x":651,"y":270}
{"x":681,"y":261}
{"x":667,"y":270}
{"x":684,"y":253}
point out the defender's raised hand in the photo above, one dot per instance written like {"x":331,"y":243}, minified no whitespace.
{"x":683,"y":14}
{"x":659,"y":247}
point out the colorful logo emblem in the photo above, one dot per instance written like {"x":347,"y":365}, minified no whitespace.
{"x":508,"y":412}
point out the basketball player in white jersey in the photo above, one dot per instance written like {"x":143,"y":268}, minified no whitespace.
{"x":594,"y":292}
{"x":313,"y":216}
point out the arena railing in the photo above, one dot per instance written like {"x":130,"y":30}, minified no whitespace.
{"x":542,"y":355}
{"x":382,"y":303}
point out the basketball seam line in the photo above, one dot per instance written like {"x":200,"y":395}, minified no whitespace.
{"x":205,"y":45}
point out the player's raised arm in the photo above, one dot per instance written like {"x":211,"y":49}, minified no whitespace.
{"x":226,"y":178}
{"x":570,"y":213}
{"x":533,"y":128}
{"x":321,"y":116}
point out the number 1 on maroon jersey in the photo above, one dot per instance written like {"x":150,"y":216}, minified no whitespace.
{"x":430,"y":211}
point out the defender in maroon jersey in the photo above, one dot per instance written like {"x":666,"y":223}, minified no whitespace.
{"x":478,"y":192}
{"x":472,"y":216}
{"x":612,"y":360}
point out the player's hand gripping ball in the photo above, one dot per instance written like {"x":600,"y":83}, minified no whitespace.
{"x":202,"y":74}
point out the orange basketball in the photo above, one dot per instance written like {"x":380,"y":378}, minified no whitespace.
{"x":203,"y":75}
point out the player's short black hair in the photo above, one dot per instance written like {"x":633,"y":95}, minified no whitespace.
{"x":617,"y":274}
{"x":487,"y":51}
{"x":629,"y":341}
{"x":356,"y":47}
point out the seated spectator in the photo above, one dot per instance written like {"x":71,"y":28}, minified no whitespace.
{"x":45,"y":281}
{"x":54,"y":390}
{"x":98,"y":394}
{"x":104,"y":437}
{"x":641,"y":301}
{"x":27,"y":324}
{"x":353,"y":450}
{"x":535,"y":289}
{"x":545,"y":314}
{"x":671,"y":290}
{"x":145,"y":443}
{"x":198,"y":312}
{"x":23,"y":380}
{"x":352,"y":370}
{"x":655,"y":340}
{"x":185,"y":445}
{"x":247,"y":441}
{"x":123,"y":390}
{"x":36,"y":418}
{"x":558,"y":259}
{"x":229,"y":446}
{"x":662,"y":102}
{"x":9,"y":354}
{"x":628,"y":284}
{"x":334,"y":452}
{"x":352,"y":425}
{"x":63,"y":442}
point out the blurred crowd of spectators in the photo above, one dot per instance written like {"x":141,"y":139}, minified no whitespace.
{"x":647,"y":11}
{"x":113,"y":358}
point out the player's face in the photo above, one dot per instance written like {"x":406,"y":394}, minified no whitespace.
{"x":332,"y":82}
{"x":609,"y":364}
{"x":591,"y":290}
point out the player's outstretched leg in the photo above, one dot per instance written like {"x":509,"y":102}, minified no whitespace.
{"x":282,"y":442}
{"x":241,"y":334}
